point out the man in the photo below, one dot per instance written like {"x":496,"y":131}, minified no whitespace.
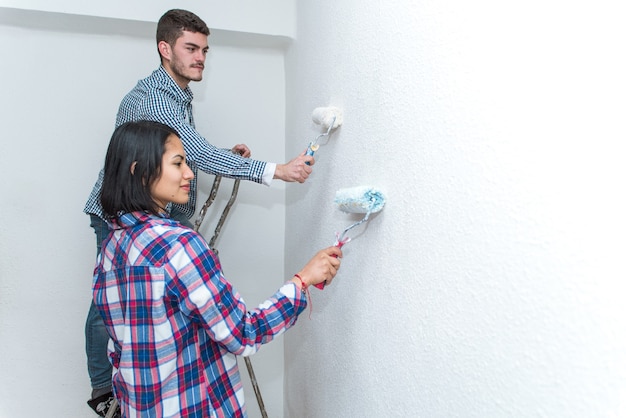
{"x":164,"y":96}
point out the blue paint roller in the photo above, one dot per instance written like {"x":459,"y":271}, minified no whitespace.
{"x":329,"y":118}
{"x":361,"y":199}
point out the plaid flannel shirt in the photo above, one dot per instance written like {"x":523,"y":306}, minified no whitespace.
{"x":176,"y":323}
{"x":159,"y":98}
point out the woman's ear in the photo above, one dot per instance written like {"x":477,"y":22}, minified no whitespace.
{"x":132,"y":168}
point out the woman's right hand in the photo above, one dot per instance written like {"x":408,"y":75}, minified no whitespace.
{"x":322,"y":268}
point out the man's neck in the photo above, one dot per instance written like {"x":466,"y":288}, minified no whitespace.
{"x":182,"y":82}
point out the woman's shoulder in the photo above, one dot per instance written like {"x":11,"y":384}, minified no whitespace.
{"x":170,"y":238}
{"x":179,"y":232}
{"x":171,"y":226}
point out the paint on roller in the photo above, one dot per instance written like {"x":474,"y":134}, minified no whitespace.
{"x":362,"y":199}
{"x":329,"y":118}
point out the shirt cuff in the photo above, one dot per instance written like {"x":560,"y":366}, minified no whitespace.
{"x":288,"y":290}
{"x":268,"y":173}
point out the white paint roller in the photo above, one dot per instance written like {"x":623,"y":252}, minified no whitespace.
{"x":329,"y":118}
{"x":360,"y":199}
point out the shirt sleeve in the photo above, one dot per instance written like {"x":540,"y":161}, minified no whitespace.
{"x":206,"y":296}
{"x":268,"y":174}
{"x":161,"y":106}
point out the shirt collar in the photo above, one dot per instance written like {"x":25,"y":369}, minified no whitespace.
{"x":132,"y":219}
{"x":185,"y":93}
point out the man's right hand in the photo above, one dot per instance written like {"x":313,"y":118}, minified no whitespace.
{"x":297,"y":169}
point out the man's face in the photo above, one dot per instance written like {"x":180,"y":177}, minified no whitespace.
{"x":188,"y":56}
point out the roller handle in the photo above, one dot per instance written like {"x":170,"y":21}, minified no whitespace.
{"x":321,"y":285}
{"x":310,"y":150}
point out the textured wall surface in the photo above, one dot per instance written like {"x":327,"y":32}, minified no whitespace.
{"x":492,"y":284}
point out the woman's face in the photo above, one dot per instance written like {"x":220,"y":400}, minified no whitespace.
{"x":174,"y":183}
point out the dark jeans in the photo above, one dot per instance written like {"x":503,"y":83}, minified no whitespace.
{"x":96,"y":336}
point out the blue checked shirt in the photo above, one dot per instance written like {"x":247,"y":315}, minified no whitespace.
{"x":176,"y":323}
{"x":159,"y":98}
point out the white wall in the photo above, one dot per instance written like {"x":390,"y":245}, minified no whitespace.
{"x":492,"y":284}
{"x":271,"y":17}
{"x":62,"y":78}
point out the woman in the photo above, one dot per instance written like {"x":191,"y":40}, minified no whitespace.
{"x":176,"y":323}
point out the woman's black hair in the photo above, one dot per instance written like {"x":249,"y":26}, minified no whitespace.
{"x":131,"y":166}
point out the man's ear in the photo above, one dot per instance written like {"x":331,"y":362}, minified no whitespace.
{"x":165,"y":50}
{"x":132,"y":167}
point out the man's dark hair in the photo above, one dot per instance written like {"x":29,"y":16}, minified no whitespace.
{"x":172,"y":24}
{"x":132,"y":165}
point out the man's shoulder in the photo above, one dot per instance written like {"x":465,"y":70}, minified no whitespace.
{"x":151,"y":96}
{"x":155,"y":82}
